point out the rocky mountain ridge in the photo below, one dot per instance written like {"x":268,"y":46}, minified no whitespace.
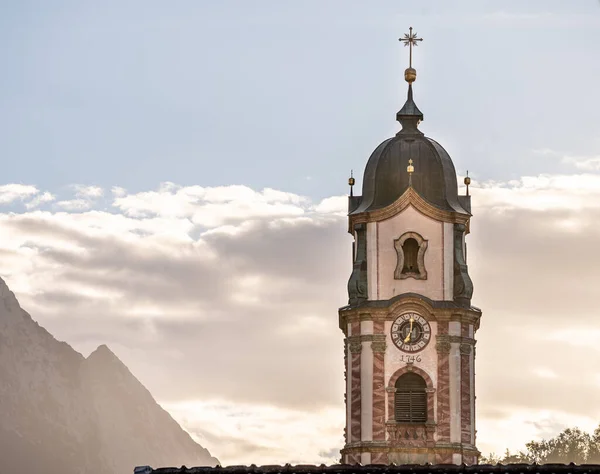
{"x":62,"y":413}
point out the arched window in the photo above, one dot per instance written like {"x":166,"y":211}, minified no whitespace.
{"x":410,"y":248}
{"x":411,"y":399}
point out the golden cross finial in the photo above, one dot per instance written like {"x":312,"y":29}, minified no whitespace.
{"x":410,"y":169}
{"x":410,"y":39}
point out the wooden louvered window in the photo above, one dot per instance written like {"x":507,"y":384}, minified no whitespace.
{"x":411,"y":399}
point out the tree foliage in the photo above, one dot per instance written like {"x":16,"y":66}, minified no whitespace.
{"x":572,"y":445}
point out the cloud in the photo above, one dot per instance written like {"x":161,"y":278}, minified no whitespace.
{"x":85,"y":198}
{"x":211,"y":207}
{"x":88,"y":192}
{"x":203,"y":291}
{"x":39,"y":200}
{"x":118,"y":191}
{"x":516,"y":425}
{"x":263,"y":434}
{"x":335,"y":205}
{"x":545,"y":152}
{"x":545,"y":372}
{"x":543,"y":192}
{"x":591,"y":163}
{"x":154,"y":279}
{"x":75,"y":205}
{"x":13,"y":192}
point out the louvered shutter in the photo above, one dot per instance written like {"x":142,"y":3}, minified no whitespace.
{"x":418,"y":408}
{"x":403,"y":404}
{"x":411,"y":399}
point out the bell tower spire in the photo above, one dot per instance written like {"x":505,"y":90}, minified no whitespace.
{"x":409,"y":115}
{"x":409,"y":325}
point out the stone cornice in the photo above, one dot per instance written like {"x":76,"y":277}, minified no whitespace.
{"x":393,"y":390}
{"x":409,"y":198}
{"x":438,"y":448}
{"x":355,"y":343}
{"x":427,"y":424}
{"x":456,"y":339}
{"x":464,"y":446}
{"x":366,"y":338}
{"x":364,"y":444}
{"x":388,"y":310}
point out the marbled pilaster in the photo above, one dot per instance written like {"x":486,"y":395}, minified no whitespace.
{"x":443,"y":388}
{"x":465,"y":387}
{"x":355,"y":394}
{"x":378,"y":347}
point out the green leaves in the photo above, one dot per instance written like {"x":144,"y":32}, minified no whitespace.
{"x":572,"y":445}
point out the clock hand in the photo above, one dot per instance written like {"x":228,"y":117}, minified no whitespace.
{"x":407,"y":338}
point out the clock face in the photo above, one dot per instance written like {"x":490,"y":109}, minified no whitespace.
{"x":411,"y":332}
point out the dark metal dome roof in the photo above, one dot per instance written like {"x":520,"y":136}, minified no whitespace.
{"x":386,"y":178}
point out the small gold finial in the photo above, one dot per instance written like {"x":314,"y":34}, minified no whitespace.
{"x":410,"y":39}
{"x":411,"y":169}
{"x":467,"y":182}
{"x":351,"y":182}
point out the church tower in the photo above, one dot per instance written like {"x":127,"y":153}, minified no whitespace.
{"x":409,"y":325}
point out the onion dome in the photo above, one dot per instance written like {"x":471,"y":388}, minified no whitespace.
{"x":434,"y":177}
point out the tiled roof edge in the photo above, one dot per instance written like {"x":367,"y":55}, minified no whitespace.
{"x":382,"y":469}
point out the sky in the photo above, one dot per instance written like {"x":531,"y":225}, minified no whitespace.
{"x":174,"y":179}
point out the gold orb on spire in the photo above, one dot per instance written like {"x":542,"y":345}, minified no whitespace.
{"x":351,"y":183}
{"x":410,"y":39}
{"x":410,"y":75}
{"x":467,"y":181}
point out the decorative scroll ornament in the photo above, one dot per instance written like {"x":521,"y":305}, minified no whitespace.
{"x":465,"y":349}
{"x":378,"y":346}
{"x":443,"y":347}
{"x":355,"y":346}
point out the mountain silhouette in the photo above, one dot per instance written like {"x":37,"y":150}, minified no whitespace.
{"x":62,"y":413}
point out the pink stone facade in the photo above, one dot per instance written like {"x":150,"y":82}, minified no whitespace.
{"x":374,"y":362}
{"x":379,"y":458}
{"x":383,"y":258}
{"x":403,"y":443}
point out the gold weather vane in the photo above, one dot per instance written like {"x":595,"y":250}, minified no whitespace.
{"x":410,"y":39}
